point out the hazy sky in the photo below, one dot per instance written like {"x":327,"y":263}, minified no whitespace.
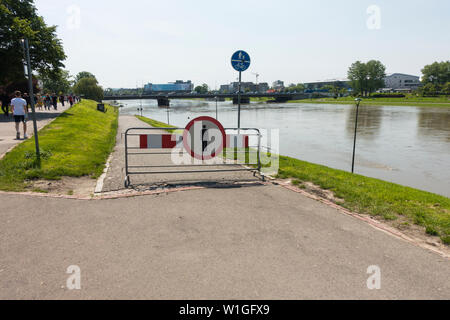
{"x":125,"y":43}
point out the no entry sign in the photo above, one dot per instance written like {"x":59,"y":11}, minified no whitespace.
{"x":204,"y":138}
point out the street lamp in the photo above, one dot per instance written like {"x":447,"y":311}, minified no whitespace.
{"x":358,"y":102}
{"x":216,"y":110}
{"x":31,"y":94}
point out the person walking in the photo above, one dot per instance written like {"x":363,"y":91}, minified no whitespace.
{"x":55,"y":101}
{"x":61,"y":99}
{"x":4,"y":102}
{"x":20,"y":112}
{"x":70,"y":101}
{"x":40,"y":102}
{"x":26,"y":97}
{"x":48,"y":101}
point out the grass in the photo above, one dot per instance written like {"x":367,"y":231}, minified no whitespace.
{"x":409,"y":100}
{"x":375,"y":197}
{"x":156,"y":124}
{"x":75,"y":144}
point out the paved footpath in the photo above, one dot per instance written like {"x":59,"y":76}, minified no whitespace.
{"x":258,"y":242}
{"x":251,"y":241}
{"x":8,"y":129}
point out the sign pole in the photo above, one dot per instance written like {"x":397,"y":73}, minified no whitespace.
{"x":240,"y":62}
{"x":30,"y":87}
{"x":239,"y":100}
{"x":358,"y":101}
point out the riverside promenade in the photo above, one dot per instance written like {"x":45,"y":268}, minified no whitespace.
{"x":8,"y":129}
{"x":217,"y":241}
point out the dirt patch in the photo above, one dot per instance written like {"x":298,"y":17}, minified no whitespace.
{"x":404,"y":225}
{"x":83,"y":186}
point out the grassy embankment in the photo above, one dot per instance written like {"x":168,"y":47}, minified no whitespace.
{"x":75,"y":144}
{"x":371,"y":196}
{"x":155,"y":123}
{"x":409,"y":100}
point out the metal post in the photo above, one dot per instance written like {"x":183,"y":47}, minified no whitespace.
{"x":239,"y":100}
{"x":356,"y":129}
{"x":31,"y":94}
{"x":217,"y":118}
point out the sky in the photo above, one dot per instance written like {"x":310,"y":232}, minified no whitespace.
{"x":129,"y":43}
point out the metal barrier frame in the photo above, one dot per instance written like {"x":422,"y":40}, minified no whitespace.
{"x":128,"y":172}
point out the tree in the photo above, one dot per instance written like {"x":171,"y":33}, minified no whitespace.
{"x":203,"y":89}
{"x":367,"y":77}
{"x":376,"y":73}
{"x":89,"y":88}
{"x":19,"y":19}
{"x":446,"y":89}
{"x":437,"y":73}
{"x":84,"y":74}
{"x":357,"y":74}
{"x":61,"y":84}
{"x":429,"y":90}
{"x":296,"y":88}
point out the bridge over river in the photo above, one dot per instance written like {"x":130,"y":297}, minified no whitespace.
{"x":164,"y":98}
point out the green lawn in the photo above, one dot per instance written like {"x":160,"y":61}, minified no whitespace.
{"x":375,"y":197}
{"x":75,"y":144}
{"x":156,"y":124}
{"x":409,"y":100}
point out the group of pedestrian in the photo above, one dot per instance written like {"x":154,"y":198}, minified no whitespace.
{"x":20,"y":105}
{"x":42,"y":102}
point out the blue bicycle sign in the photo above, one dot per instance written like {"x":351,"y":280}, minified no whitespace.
{"x":240,"y":61}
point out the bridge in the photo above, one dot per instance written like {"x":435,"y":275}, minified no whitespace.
{"x":164,"y":98}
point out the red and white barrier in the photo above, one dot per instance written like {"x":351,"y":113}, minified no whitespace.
{"x":160,"y":141}
{"x":171,"y":141}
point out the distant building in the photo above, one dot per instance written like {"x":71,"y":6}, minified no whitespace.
{"x":177,"y":86}
{"x":401,"y":82}
{"x":245,"y":87}
{"x":318,"y":85}
{"x":263,"y":87}
{"x":278,"y":85}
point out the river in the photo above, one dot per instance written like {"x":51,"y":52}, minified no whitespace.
{"x":404,"y":145}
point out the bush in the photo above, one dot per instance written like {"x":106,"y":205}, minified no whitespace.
{"x":388,"y":95}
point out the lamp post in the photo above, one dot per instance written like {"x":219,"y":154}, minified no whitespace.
{"x":168,"y":111}
{"x":216,"y":110}
{"x":358,"y":102}
{"x":31,"y":94}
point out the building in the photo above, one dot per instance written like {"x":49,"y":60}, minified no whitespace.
{"x":263,"y":87}
{"x":245,"y":87}
{"x":278,"y":85}
{"x":341,"y":83}
{"x":401,"y":82}
{"x":177,"y":86}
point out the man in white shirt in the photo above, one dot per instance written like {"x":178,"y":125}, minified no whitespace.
{"x":20,"y":112}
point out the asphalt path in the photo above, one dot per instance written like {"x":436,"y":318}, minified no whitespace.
{"x":253,"y":242}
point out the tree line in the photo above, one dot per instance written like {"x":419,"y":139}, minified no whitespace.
{"x":20,"y":20}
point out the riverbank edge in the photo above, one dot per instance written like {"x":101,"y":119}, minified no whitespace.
{"x":76,"y":144}
{"x":380,"y":103}
{"x":396,"y":204}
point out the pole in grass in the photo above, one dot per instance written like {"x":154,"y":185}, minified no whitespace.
{"x":358,"y":102}
{"x":29,"y":75}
